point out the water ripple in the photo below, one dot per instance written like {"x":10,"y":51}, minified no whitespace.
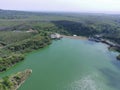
{"x":86,"y":83}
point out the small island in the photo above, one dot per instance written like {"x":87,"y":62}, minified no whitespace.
{"x":14,"y":81}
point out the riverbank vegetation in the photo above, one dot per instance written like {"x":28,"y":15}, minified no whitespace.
{"x":14,"y":81}
{"x":16,"y":45}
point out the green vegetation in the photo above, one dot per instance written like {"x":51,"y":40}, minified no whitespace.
{"x":92,"y":28}
{"x":16,"y":45}
{"x":30,"y":44}
{"x":76,"y":28}
{"x":12,"y":82}
{"x":9,"y":37}
{"x":9,"y":61}
{"x":22,"y":32}
{"x":16,"y":40}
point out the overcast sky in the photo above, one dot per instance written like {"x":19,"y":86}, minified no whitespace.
{"x":100,"y":6}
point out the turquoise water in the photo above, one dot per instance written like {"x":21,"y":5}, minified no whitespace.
{"x":70,"y":64}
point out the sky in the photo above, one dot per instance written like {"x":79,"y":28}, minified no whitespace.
{"x":90,"y":6}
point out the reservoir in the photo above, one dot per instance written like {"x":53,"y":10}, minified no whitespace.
{"x":71,"y":64}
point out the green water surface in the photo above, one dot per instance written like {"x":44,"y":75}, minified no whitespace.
{"x":70,"y":64}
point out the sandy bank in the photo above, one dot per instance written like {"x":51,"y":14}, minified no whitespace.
{"x":75,"y":37}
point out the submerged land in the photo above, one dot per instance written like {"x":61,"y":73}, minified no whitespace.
{"x":23,"y":32}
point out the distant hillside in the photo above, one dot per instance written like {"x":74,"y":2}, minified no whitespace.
{"x":86,"y":24}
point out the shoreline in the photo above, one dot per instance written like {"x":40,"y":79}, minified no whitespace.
{"x":15,"y":80}
{"x":75,"y":37}
{"x":85,"y":38}
{"x":17,"y":87}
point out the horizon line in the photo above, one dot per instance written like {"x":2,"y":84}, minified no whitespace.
{"x":75,"y":12}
